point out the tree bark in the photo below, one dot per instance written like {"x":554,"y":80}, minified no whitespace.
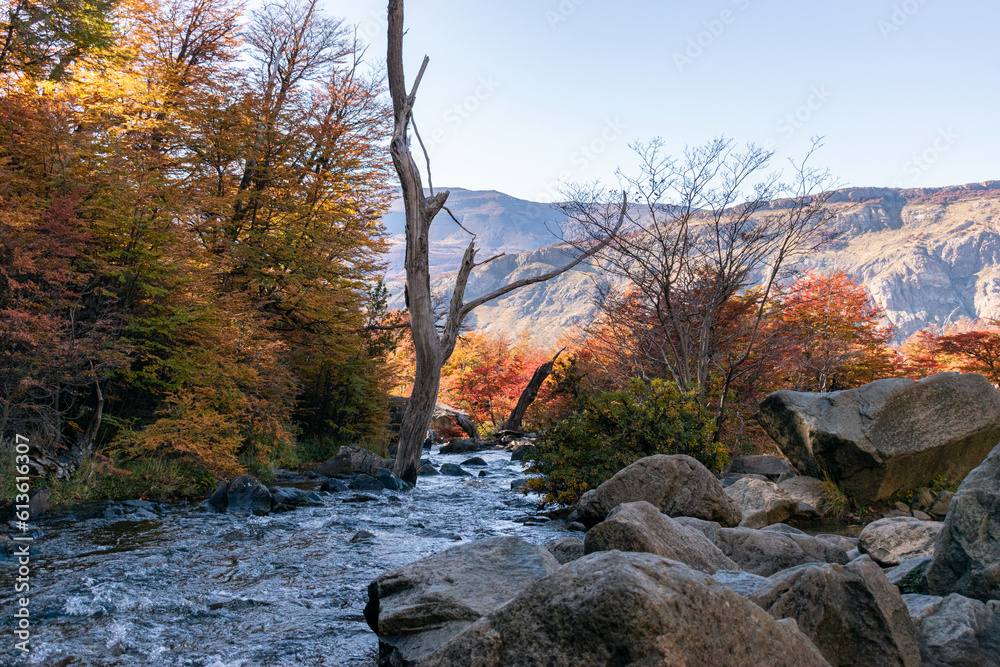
{"x":529,"y":394}
{"x":431,"y":348}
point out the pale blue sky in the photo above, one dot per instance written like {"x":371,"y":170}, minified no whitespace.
{"x":521,"y":94}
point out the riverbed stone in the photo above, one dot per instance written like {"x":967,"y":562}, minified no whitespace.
{"x":461,"y":446}
{"x":891,"y":541}
{"x":419,"y":607}
{"x":566,"y":549}
{"x":352,"y":460}
{"x":848,"y":611}
{"x":967,"y":551}
{"x":474,"y":462}
{"x":520,"y":451}
{"x":245,"y":495}
{"x":618,"y":608}
{"x":285,"y":498}
{"x":640,"y":526}
{"x":889,"y":435}
{"x":955,"y":631}
{"x":939,"y":508}
{"x":333,"y":485}
{"x":766,"y":552}
{"x":768,"y":465}
{"x":365,"y":483}
{"x":427,"y":470}
{"x":676,"y":484}
{"x":810,"y":495}
{"x":454,"y":470}
{"x":740,"y":582}
{"x":754,"y":495}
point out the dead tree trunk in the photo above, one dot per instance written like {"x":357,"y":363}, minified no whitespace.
{"x":432,"y":348}
{"x":513,"y":422}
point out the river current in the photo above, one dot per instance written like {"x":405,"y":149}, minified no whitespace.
{"x":120,"y":584}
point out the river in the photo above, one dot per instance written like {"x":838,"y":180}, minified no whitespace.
{"x":114,"y":584}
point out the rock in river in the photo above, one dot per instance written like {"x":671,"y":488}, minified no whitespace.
{"x":417,"y":608}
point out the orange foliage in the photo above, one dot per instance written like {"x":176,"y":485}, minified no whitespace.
{"x":486,"y":374}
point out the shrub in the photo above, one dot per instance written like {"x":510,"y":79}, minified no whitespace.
{"x":611,"y":430}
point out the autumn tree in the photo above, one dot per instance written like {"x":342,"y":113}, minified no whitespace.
{"x":194,"y":236}
{"x":839,"y":336}
{"x":434,"y":342}
{"x":710,"y":226}
{"x":967,"y":346}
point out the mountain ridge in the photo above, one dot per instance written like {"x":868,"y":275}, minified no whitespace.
{"x":928,"y":256}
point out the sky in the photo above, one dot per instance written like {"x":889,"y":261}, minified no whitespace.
{"x":522,"y":95}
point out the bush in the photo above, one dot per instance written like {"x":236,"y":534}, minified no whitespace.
{"x":609,"y":431}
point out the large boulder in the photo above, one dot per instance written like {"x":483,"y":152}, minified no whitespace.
{"x":955,"y":631}
{"x":352,"y":460}
{"x":641,"y":527}
{"x":891,"y":541}
{"x":676,"y":484}
{"x":417,"y":608}
{"x":245,"y":495}
{"x":753,"y":495}
{"x":765,"y":552}
{"x":809,"y":493}
{"x":850,"y":612}
{"x":617,"y":608}
{"x":967,"y":550}
{"x":889,"y":435}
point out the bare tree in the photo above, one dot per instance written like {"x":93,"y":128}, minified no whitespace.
{"x":710,"y":226}
{"x":431,"y":345}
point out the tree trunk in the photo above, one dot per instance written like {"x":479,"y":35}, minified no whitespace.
{"x":513,"y":422}
{"x":431,"y":347}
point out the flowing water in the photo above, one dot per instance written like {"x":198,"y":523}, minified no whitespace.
{"x":123,"y":585}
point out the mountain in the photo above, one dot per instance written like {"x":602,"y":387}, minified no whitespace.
{"x":929,"y":256}
{"x":500,"y":222}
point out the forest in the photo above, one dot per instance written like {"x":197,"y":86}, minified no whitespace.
{"x":191,"y":257}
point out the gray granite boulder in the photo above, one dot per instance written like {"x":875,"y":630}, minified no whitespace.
{"x":352,"y":460}
{"x":641,"y":527}
{"x":889,"y":435}
{"x":955,"y":631}
{"x":566,"y":549}
{"x":753,"y":495}
{"x":810,"y":495}
{"x":419,"y":607}
{"x":766,"y":552}
{"x":676,"y":484}
{"x":618,"y":608}
{"x":891,"y":541}
{"x":850,"y":612}
{"x":967,"y":550}
{"x":245,"y":495}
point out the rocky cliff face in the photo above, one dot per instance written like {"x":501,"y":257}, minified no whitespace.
{"x":928,"y":256}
